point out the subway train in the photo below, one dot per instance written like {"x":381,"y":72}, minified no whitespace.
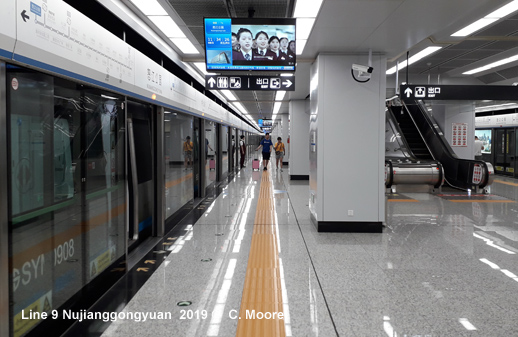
{"x":102,"y":148}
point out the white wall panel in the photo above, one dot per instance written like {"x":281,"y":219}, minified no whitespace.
{"x":7,"y":28}
{"x":299,"y":138}
{"x":59,"y":36}
{"x":457,"y":113}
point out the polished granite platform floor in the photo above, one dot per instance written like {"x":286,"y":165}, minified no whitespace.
{"x":440,"y":268}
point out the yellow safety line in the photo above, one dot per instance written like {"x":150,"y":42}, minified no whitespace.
{"x":494,"y":201}
{"x":504,"y":182}
{"x":262,"y":290}
{"x":402,"y":200}
{"x":171,"y":183}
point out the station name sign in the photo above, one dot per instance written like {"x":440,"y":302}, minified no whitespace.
{"x":458,"y":92}
{"x":246,"y":82}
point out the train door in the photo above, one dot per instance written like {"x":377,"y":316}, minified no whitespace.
{"x":66,"y":175}
{"x":141,"y":163}
{"x":196,"y":168}
{"x":505,"y":155}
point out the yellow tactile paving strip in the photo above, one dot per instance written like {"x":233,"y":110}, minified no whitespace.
{"x":504,"y":182}
{"x":262,"y":291}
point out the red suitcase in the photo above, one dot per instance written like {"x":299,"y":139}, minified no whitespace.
{"x":212,"y":164}
{"x":255,"y":164}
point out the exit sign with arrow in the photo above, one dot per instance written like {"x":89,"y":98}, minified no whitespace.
{"x":245,"y":82}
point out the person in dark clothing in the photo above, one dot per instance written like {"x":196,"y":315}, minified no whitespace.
{"x":242,"y":150}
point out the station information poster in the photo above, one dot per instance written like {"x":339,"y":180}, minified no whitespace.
{"x":459,"y":134}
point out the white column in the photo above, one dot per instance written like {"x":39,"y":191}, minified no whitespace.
{"x":347,"y":128}
{"x":299,"y":140}
{"x":285,"y":135}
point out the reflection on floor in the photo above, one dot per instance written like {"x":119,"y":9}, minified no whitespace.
{"x":440,"y":268}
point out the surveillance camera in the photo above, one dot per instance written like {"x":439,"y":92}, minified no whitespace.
{"x":363,"y":69}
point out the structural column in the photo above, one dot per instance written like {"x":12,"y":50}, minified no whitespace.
{"x":347,"y":150}
{"x":285,"y":135}
{"x":299,"y":140}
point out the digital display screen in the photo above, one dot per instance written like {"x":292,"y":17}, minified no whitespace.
{"x":267,"y":122}
{"x":250,"y":44}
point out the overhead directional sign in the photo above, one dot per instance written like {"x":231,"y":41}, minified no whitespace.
{"x":458,"y":92}
{"x":245,"y":82}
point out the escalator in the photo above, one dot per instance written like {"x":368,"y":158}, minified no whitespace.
{"x":459,"y":173}
{"x":412,"y":135}
{"x":402,"y":166}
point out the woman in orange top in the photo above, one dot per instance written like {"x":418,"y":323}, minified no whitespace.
{"x":279,"y":151}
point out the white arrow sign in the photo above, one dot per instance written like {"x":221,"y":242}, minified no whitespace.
{"x":288,"y":83}
{"x":408,"y":92}
{"x":211,"y":82}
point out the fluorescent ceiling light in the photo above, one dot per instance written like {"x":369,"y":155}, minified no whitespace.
{"x":422,"y":54}
{"x":307,"y":8}
{"x":488,"y":19}
{"x":304,"y":27}
{"x":167,"y":26}
{"x":149,"y":7}
{"x":477,"y":25}
{"x":504,"y":10}
{"x":185,"y":45}
{"x":492,"y":65}
{"x":229,"y":95}
{"x":276,"y":107}
{"x":279,"y":95}
{"x":299,"y":46}
{"x":201,"y":67}
{"x":240,"y":107}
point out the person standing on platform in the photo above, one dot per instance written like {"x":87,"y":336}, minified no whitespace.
{"x":242,"y":150}
{"x":267,"y":145}
{"x":479,"y":146}
{"x":187,"y":152}
{"x":279,"y":151}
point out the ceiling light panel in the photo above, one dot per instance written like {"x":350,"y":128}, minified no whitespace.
{"x":299,"y":46}
{"x":422,"y":54}
{"x":477,"y":25}
{"x":149,"y":7}
{"x":304,"y":27}
{"x":167,"y":26}
{"x":488,"y":19}
{"x":307,"y":8}
{"x":185,"y":45}
{"x":492,"y":65}
{"x":504,"y":10}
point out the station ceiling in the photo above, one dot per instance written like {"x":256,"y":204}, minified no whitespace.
{"x":391,"y":27}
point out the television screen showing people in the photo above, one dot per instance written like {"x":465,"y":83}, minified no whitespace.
{"x":250,"y":44}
